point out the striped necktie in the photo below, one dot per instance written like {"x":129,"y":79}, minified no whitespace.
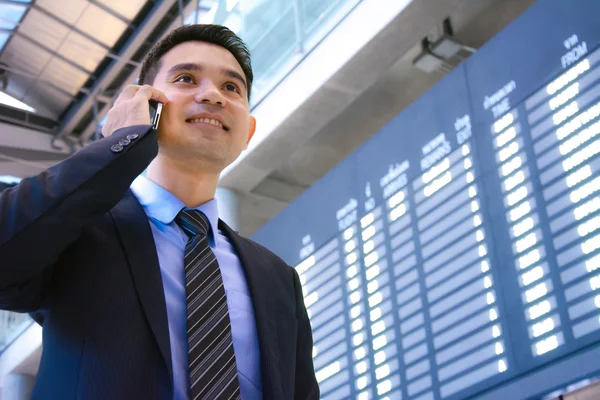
{"x":211,"y":362}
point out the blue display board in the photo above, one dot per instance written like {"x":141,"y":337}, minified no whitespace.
{"x":457,"y":252}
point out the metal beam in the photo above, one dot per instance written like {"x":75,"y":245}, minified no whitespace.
{"x":27,"y":139}
{"x":112,"y":12}
{"x":130,"y":62}
{"x":180,"y":6}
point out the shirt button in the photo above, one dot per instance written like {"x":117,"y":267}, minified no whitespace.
{"x":124,"y":142}
{"x":116,"y":148}
{"x":132,"y":136}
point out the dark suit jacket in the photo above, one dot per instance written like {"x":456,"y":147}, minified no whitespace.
{"x":77,"y":251}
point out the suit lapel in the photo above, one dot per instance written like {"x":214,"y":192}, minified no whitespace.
{"x":257,"y":275}
{"x":136,"y":236}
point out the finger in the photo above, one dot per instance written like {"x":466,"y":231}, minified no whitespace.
{"x":128,"y":93}
{"x":151,"y":93}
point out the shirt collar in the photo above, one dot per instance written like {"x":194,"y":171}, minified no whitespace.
{"x":162,"y":205}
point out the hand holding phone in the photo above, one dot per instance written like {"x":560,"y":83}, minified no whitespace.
{"x":132,"y":108}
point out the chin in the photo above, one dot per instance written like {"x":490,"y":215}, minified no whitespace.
{"x":212,"y":155}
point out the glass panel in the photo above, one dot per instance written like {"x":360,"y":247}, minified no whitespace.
{"x":320,"y":16}
{"x":11,"y":326}
{"x":6,"y":23}
{"x":269,"y":30}
{"x":279,"y":33}
{"x":10,"y":15}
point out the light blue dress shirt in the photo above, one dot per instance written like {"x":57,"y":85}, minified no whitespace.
{"x":161,"y":207}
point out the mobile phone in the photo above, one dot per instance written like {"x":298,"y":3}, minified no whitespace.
{"x":155,"y":113}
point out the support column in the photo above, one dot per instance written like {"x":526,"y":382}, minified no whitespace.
{"x":230,"y":203}
{"x":17,"y":387}
{"x":246,"y":212}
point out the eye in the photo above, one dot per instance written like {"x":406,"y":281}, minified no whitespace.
{"x":185,"y":79}
{"x":232,"y":87}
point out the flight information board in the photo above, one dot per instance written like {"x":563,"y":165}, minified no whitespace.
{"x":457,"y":252}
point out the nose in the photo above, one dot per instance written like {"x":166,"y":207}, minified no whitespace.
{"x":209,"y":93}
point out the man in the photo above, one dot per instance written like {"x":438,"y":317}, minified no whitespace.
{"x":142,"y":291}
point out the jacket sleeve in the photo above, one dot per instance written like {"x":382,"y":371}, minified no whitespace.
{"x":305,"y":385}
{"x":44,"y":214}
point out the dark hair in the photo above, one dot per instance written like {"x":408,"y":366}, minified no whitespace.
{"x":215,"y":34}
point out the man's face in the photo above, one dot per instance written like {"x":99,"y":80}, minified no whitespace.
{"x":208,"y":115}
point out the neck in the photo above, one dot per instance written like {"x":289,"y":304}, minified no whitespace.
{"x":187,"y":181}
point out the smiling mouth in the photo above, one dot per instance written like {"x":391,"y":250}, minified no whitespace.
{"x":208,"y":121}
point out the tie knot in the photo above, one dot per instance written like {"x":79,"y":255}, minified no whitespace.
{"x":193,"y":222}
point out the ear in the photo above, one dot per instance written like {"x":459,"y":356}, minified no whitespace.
{"x":251,"y":130}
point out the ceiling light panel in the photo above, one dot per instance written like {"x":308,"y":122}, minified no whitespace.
{"x":43,"y":29}
{"x":101,"y":25}
{"x":64,"y":76}
{"x":70,"y":14}
{"x":82,"y":51}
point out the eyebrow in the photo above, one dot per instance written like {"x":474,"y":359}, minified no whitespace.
{"x":198,"y":68}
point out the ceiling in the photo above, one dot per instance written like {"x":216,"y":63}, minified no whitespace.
{"x":54,"y":49}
